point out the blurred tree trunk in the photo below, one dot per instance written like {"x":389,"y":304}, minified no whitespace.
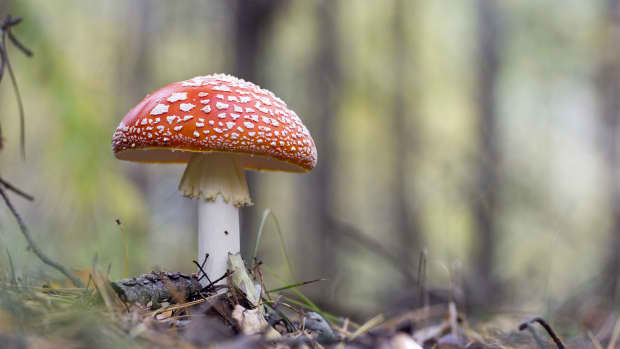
{"x":134,"y":76}
{"x":407,"y":222}
{"x":485,"y":199}
{"x":4,"y":8}
{"x":609,"y":99}
{"x":324,"y":80}
{"x":252,"y":22}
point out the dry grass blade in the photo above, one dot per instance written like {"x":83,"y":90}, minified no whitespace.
{"x":306,"y":300}
{"x":595,"y":342}
{"x":413,"y":316}
{"x":375,"y":321}
{"x":453,"y":318}
{"x":329,"y":317}
{"x":186,"y":305}
{"x":109,"y":296}
{"x":266,"y":214}
{"x":614,"y":336}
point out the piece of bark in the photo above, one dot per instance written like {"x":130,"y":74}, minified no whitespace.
{"x":157,"y":287}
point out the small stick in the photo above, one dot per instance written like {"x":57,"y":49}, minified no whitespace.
{"x":16,"y":190}
{"x":205,"y":260}
{"x":44,"y":258}
{"x":547,"y":328}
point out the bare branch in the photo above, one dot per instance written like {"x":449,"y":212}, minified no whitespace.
{"x":44,"y":258}
{"x":20,"y":105}
{"x":5,"y":29}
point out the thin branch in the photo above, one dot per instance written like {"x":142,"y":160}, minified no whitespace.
{"x":44,"y":258}
{"x":19,"y":45}
{"x":10,"y":21}
{"x":5,"y":28}
{"x":20,"y":105}
{"x":346,"y":230}
{"x":2,"y":60}
{"x":16,"y":190}
{"x":227,"y":274}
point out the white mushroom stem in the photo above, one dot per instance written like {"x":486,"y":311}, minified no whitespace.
{"x":218,"y":234}
{"x":218,"y":181}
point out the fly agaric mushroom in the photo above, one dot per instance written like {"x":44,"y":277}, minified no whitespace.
{"x":220,"y":126}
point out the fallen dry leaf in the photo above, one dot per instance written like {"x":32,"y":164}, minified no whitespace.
{"x":252,"y":321}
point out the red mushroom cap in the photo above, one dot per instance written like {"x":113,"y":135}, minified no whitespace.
{"x":215,"y":113}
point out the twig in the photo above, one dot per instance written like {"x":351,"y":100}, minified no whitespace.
{"x":2,"y":60}
{"x":228,"y":273}
{"x":201,"y":267}
{"x":20,"y":106}
{"x":4,"y":57}
{"x":19,"y":45}
{"x":44,"y":258}
{"x":16,"y":190}
{"x":546,"y":326}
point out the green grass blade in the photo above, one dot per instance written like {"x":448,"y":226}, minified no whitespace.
{"x":303,"y":283}
{"x":329,"y":317}
{"x":287,"y":321}
{"x":367,"y":326}
{"x":259,"y":235}
{"x":294,"y":290}
{"x":266,"y":214}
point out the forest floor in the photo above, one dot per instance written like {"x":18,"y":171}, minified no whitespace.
{"x":174,"y":310}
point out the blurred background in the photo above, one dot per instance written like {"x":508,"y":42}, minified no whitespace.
{"x":480,"y":134}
